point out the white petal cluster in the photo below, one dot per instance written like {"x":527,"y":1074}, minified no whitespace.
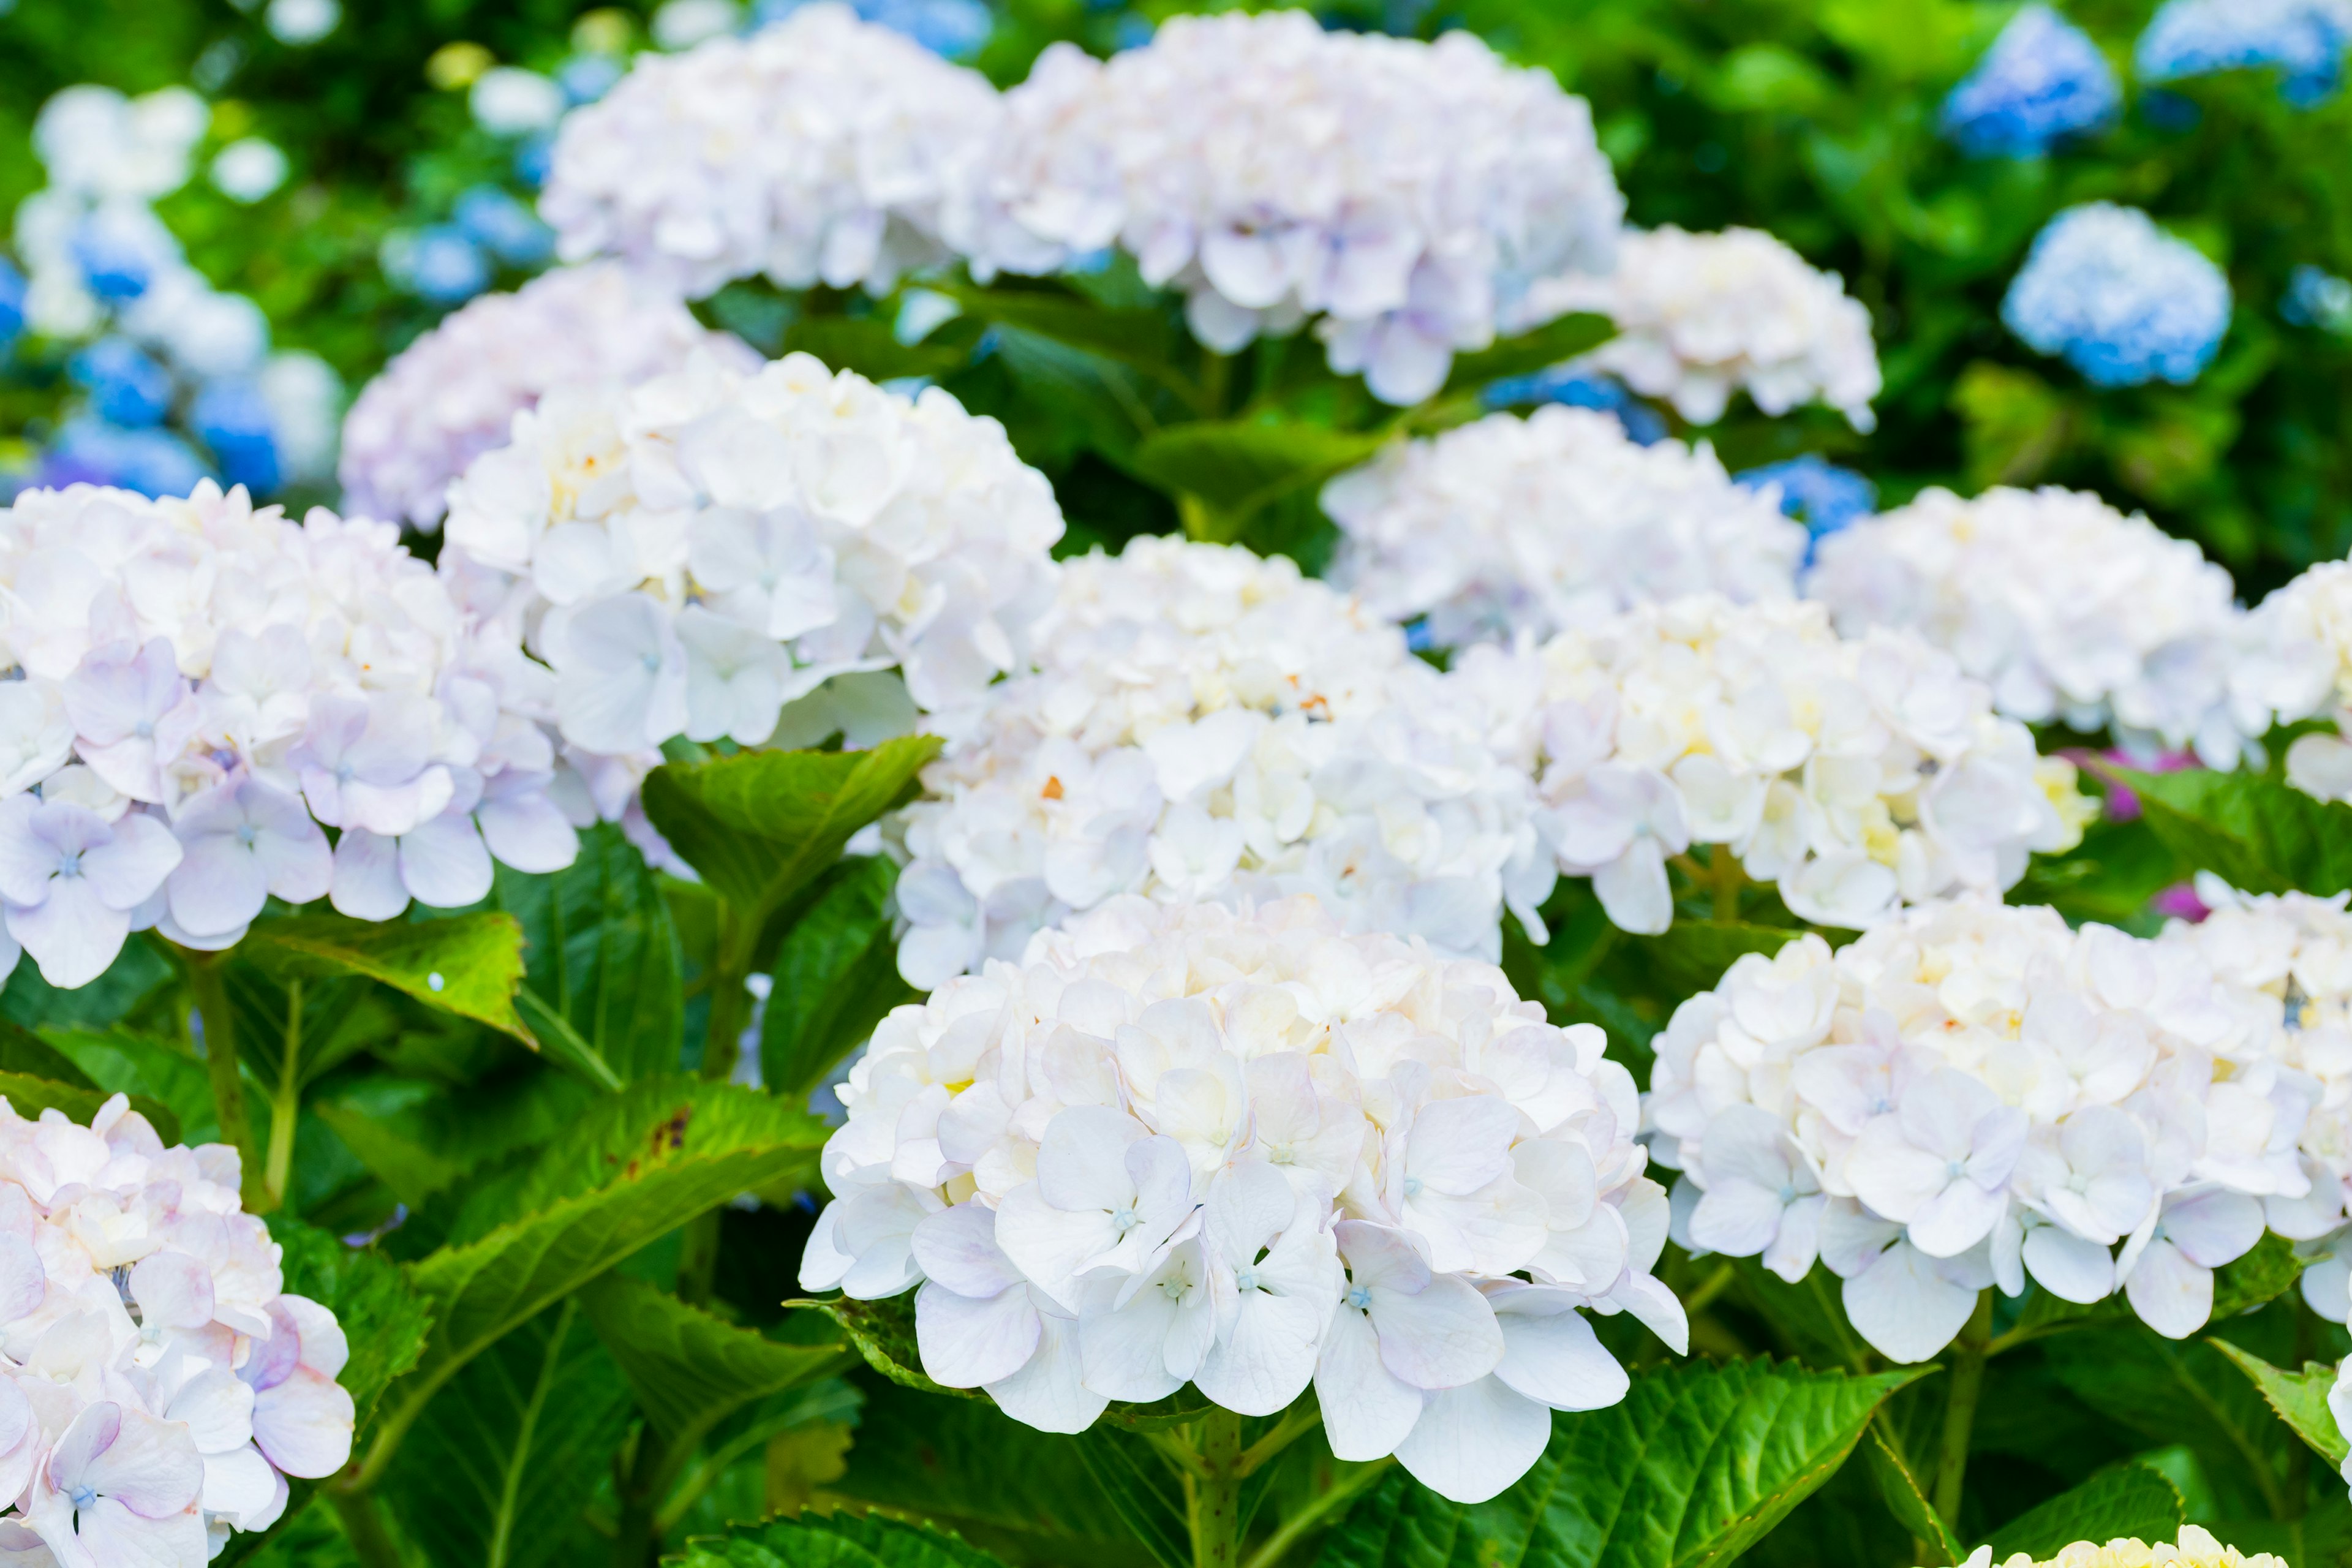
{"x":2298,"y":661}
{"x":2285,"y":959}
{"x":1701,"y":316}
{"x":1247,"y":1152}
{"x":691,"y":555}
{"x":453,"y":393}
{"x":821,"y":149}
{"x":193,"y":687}
{"x":158,"y":1385}
{"x":1512,"y":526}
{"x":1404,"y":193}
{"x":1204,"y":725}
{"x":1859,"y":774}
{"x":2067,"y":608}
{"x":1968,"y":1094}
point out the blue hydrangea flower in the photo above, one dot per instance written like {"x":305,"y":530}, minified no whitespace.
{"x":952,"y":29}
{"x":231,"y":416}
{"x":442,"y":264}
{"x":2319,"y":298}
{"x":2043,"y":80}
{"x":2306,"y":39}
{"x":509,"y":230}
{"x":89,"y":452}
{"x":1820,"y":495}
{"x":1578,"y":389}
{"x":2120,"y":300}
{"x":127,"y":386}
{"x":119,"y":250}
{"x":12,"y":303}
{"x":584,"y":79}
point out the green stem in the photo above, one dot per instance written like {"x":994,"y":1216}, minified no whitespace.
{"x":638,"y":1534}
{"x":220,"y":1063}
{"x":1713,"y":1284}
{"x":363,"y":1527}
{"x":1201,"y":524}
{"x":1724,"y":872}
{"x":1301,"y":1419}
{"x":731,"y":1004}
{"x":1216,"y":371}
{"x":1960,"y":1408}
{"x":1344,"y":1491}
{"x":1213,"y":1497}
{"x":286,"y":1105}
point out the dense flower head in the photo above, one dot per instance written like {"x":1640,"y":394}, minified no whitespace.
{"x":1511,"y":526}
{"x":2298,"y":659}
{"x":1204,"y":725}
{"x":160,"y":1384}
{"x":2120,"y":300}
{"x":2197,"y":1548}
{"x":2042,"y":80}
{"x":1823,"y":495}
{"x":818,"y":149}
{"x":2305,"y":38}
{"x":195,"y":687}
{"x":1858,"y":774}
{"x":1971,"y":1093}
{"x":453,"y":393}
{"x":1702,"y":316}
{"x":692,"y":555}
{"x":2067,"y":608}
{"x":1242,"y":1149}
{"x":1404,"y":193}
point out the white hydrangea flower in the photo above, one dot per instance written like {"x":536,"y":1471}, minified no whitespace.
{"x":160,"y":1385}
{"x":453,"y":393}
{"x":1971,"y":1093}
{"x":1859,"y":774}
{"x":1701,"y":316}
{"x":1529,"y":526}
{"x":821,"y":149}
{"x":2298,"y":662}
{"x":196,"y":687}
{"x":94,"y":140}
{"x":1204,"y":725}
{"x":2068,"y":609}
{"x":1178,"y":1144}
{"x":1404,"y":193}
{"x":693,"y":555}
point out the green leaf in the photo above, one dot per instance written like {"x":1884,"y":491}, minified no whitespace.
{"x":1694,"y":1466}
{"x":2260,"y":835}
{"x":2130,"y":1501}
{"x":467,"y":965}
{"x":1138,"y":337}
{"x":641,"y":1163}
{"x":33,"y":1003}
{"x":760,"y":826}
{"x":384,"y":1320}
{"x":497,"y":1469}
{"x":836,"y":973}
{"x":1691,"y":956}
{"x":150,"y":1072}
{"x":1137,"y":1483}
{"x":1548,"y":345}
{"x":2182,"y":1391}
{"x":866,"y":346}
{"x":419,"y":1137}
{"x":883,"y":1333}
{"x":1237,"y":465}
{"x":31,"y":1096}
{"x":2299,"y":1397}
{"x":1810,"y":1315}
{"x":600,"y":953}
{"x":832,"y":1541}
{"x":1907,"y":1499}
{"x":23,"y":1051}
{"x":686,"y":1368}
{"x":2264,"y":1274}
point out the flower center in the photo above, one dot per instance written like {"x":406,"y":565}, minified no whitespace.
{"x":1246,"y":1280}
{"x":652,"y":662}
{"x":1412,"y":1186}
{"x":246,"y":832}
{"x":1787,"y":1194}
{"x":1956,"y":1168}
{"x":68,"y":862}
{"x":1360,"y":1297}
{"x":81,"y":1496}
{"x":1124,"y":1219}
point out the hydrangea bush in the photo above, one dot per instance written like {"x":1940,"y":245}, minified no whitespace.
{"x":1391,"y":787}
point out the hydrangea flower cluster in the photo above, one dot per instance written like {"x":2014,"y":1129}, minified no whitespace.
{"x":1823,"y":495}
{"x":2119,"y":299}
{"x":1513,"y":526}
{"x":1701,"y":316}
{"x":167,"y":357}
{"x":1204,"y":725}
{"x":2299,"y":660}
{"x":1971,"y":1093}
{"x":1179,"y":1145}
{"x":1404,"y":193}
{"x":822,"y":149}
{"x":193,"y":688}
{"x":2197,"y":1548}
{"x":691,"y":555}
{"x":1858,"y":774}
{"x":161,"y":1385}
{"x":2042,"y":80}
{"x":2067,"y":608}
{"x":453,"y":393}
{"x":2305,"y":38}
{"x":2285,"y":959}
